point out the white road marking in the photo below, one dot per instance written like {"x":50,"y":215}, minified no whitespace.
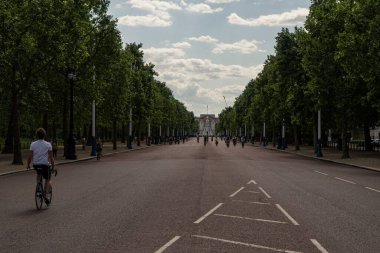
{"x":319,"y":246}
{"x":207,"y":214}
{"x":252,"y":181}
{"x":369,"y":188}
{"x":252,"y":202}
{"x":344,"y":180}
{"x":167,"y":245}
{"x":233,"y":194}
{"x":265,"y":193}
{"x":252,"y":191}
{"x":321,"y":172}
{"x":287,"y":215}
{"x":246,"y":218}
{"x":244,"y":244}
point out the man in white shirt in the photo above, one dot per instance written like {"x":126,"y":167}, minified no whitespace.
{"x":41,"y":154}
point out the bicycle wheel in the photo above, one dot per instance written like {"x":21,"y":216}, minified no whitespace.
{"x":39,"y":196}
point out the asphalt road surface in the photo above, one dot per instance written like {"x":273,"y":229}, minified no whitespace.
{"x":196,"y":198}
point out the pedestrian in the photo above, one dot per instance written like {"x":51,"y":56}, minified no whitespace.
{"x":55,"y":149}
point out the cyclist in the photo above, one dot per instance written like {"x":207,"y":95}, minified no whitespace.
{"x":228,"y":141}
{"x":41,"y":154}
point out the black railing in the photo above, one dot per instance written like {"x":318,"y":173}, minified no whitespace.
{"x":356,"y":145}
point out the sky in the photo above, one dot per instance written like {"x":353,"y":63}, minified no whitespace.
{"x":206,"y":51}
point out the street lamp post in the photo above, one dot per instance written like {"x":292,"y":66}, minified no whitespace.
{"x":283,"y":136}
{"x":159,"y":141}
{"x":264,"y":137}
{"x":319,"y":147}
{"x":129,"y":142}
{"x":253,"y":134}
{"x":148,"y":140}
{"x":93,"y":134}
{"x":71,"y":141}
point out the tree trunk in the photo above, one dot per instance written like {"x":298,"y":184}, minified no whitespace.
{"x":54,"y":131}
{"x":17,"y":156}
{"x":345,"y":137}
{"x":296,"y":140}
{"x":367,"y":137}
{"x":8,"y":145}
{"x":89,"y":135}
{"x":114,"y":133}
{"x":65,"y":124}
{"x":45,"y":124}
{"x":315,"y":131}
{"x":123,"y":131}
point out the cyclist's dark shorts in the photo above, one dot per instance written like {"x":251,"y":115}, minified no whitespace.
{"x":43,"y":169}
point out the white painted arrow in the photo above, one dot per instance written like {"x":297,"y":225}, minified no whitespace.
{"x":252,"y":181}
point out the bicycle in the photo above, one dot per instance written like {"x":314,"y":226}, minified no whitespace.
{"x":40,"y":195}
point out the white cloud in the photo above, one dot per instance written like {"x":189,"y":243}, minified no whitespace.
{"x":235,"y":89}
{"x":202,"y":8}
{"x":190,"y":78}
{"x":221,"y":1}
{"x":171,"y":63}
{"x":206,"y":39}
{"x":290,"y":18}
{"x":243,"y":47}
{"x":148,"y":21}
{"x":182,"y":45}
{"x":159,"y":13}
{"x":154,"y":5}
{"x":157,"y":55}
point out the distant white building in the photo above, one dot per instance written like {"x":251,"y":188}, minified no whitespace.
{"x":375,"y":133}
{"x":207,"y":124}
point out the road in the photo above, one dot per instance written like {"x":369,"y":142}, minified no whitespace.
{"x":195,"y":198}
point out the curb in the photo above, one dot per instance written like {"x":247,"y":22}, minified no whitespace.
{"x":78,"y":160}
{"x":322,"y":159}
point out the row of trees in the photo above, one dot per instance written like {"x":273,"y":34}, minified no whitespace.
{"x":332,"y":65}
{"x":41,"y":39}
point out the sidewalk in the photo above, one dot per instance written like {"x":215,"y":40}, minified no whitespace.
{"x":6,"y":166}
{"x":362,"y":159}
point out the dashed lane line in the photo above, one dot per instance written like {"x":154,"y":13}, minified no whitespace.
{"x":265,"y":193}
{"x":247,"y":218}
{"x":252,"y":181}
{"x":233,"y":194}
{"x":295,"y":223}
{"x":208,"y":213}
{"x":244,"y":244}
{"x":319,"y":246}
{"x":372,"y":189}
{"x":168,"y":244}
{"x":325,"y":174}
{"x":252,"y":202}
{"x":344,"y":180}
